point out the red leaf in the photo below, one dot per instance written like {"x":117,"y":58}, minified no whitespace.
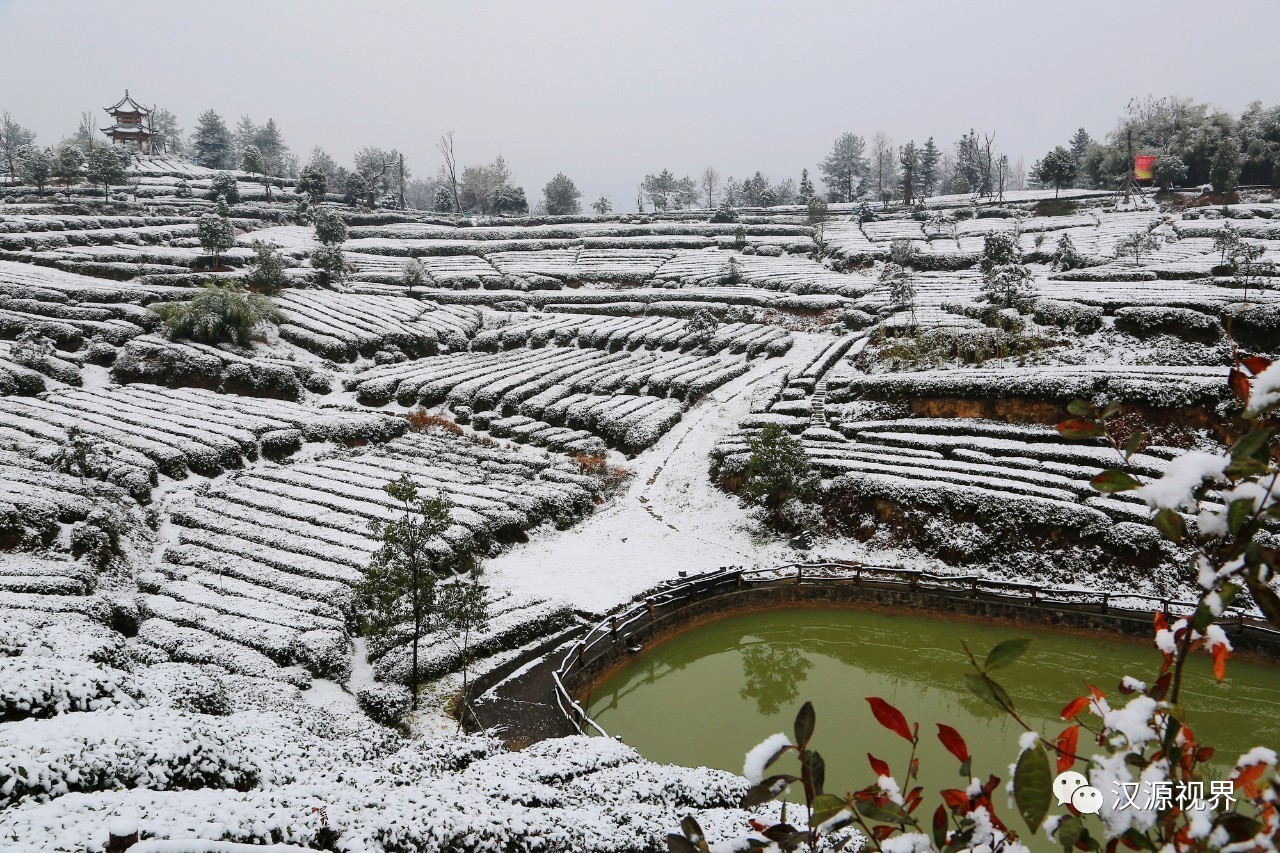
{"x":1076,"y":429}
{"x":880,"y":768}
{"x":1256,"y":363}
{"x":1239,"y":384}
{"x":1247,"y":779}
{"x":1067,"y":744}
{"x":1220,"y":655}
{"x":956,"y":799}
{"x":953,"y":742}
{"x":1096,"y":693}
{"x":890,"y":717}
{"x":993,"y":782}
{"x":882,"y":831}
{"x":757,"y":825}
{"x":1075,"y":707}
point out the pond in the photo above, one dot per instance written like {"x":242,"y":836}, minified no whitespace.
{"x":707,"y":695}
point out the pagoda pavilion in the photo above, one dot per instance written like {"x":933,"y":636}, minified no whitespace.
{"x":132,"y":124}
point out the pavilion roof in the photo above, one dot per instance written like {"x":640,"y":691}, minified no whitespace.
{"x":127,"y":105}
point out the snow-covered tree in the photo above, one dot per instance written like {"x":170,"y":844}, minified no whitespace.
{"x":1224,"y":172}
{"x":1135,"y":244}
{"x":1169,"y":171}
{"x":1080,"y":142}
{"x":561,"y":195}
{"x":1066,"y":256}
{"x":216,"y":234}
{"x":806,"y":187}
{"x":778,"y":471}
{"x":1058,"y":169}
{"x":68,"y":164}
{"x":443,"y":200}
{"x":312,"y":183}
{"x":13,"y":137}
{"x":270,"y":142}
{"x":930,"y":158}
{"x":1005,"y":281}
{"x":843,"y":168}
{"x":267,"y":269}
{"x":242,"y":137}
{"x":602,"y":206}
{"x":105,"y":166}
{"x":909,"y":175}
{"x":224,"y":187}
{"x":211,"y":141}
{"x":330,"y":229}
{"x":399,"y":589}
{"x":413,"y":274}
{"x":710,"y":185}
{"x":35,"y":166}
{"x":253,"y":162}
{"x":219,"y":313}
{"x":510,"y":200}
{"x":166,"y":134}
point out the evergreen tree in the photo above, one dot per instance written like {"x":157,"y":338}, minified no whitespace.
{"x":166,"y":134}
{"x":400,"y":586}
{"x":245,"y":133}
{"x":105,"y":167}
{"x":68,"y":163}
{"x":806,"y":187}
{"x":413,"y":274}
{"x":312,"y":183}
{"x":211,"y":141}
{"x":844,"y":166}
{"x":216,"y":235}
{"x":560,"y":196}
{"x":320,"y":161}
{"x":778,"y":470}
{"x":1005,"y":281}
{"x":930,"y":157}
{"x":271,"y":143}
{"x":1058,"y":169}
{"x":909,"y":157}
{"x":1224,"y":172}
{"x":660,"y":189}
{"x":1080,"y":143}
{"x":267,"y":269}
{"x":35,"y":165}
{"x":1169,"y":171}
{"x":443,"y":200}
{"x":330,"y":229}
{"x":224,"y":187}
{"x":969,"y":162}
{"x":602,"y":206}
{"x":509,"y":199}
{"x":12,"y":137}
{"x":255,"y":164}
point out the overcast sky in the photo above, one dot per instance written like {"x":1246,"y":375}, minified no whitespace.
{"x":607,"y":91}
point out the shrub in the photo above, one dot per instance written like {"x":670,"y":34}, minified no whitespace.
{"x":330,"y":229}
{"x":330,"y":263}
{"x":598,"y":466}
{"x":778,"y":470}
{"x":1180,"y":322}
{"x":216,"y":235}
{"x":905,"y":253}
{"x":266,"y":271}
{"x":385,"y":703}
{"x":1066,"y":256}
{"x":1084,"y":319}
{"x":222,"y":313}
{"x":224,"y":185}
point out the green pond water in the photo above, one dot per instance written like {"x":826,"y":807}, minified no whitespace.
{"x":706,"y":696}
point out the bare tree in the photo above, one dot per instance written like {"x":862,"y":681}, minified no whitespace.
{"x":640,"y":199}
{"x":1003,"y":174}
{"x":710,"y":185}
{"x":884,"y":161}
{"x":445,"y":146}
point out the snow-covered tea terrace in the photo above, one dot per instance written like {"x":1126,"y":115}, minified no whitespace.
{"x":184,"y":645}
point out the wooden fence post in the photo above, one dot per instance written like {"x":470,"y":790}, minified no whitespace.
{"x":649,"y":601}
{"x":973,"y":588}
{"x":613,"y":627}
{"x":122,"y":833}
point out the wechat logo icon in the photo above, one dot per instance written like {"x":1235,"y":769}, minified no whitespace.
{"x":1072,"y":787}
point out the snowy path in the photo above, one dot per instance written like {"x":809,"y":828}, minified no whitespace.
{"x":671,"y":519}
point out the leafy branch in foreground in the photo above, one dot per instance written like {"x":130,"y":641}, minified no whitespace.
{"x":1225,"y":506}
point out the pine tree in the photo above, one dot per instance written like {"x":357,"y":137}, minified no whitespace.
{"x":245,"y":133}
{"x":909,"y":157}
{"x":254,"y":163}
{"x":844,"y":166}
{"x":400,"y":586}
{"x":560,"y":196}
{"x":212,"y":141}
{"x":930,"y":157}
{"x":1080,"y":143}
{"x":312,"y":183}
{"x":806,"y":187}
{"x":271,"y":144}
{"x":778,"y":470}
{"x":167,"y":135}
